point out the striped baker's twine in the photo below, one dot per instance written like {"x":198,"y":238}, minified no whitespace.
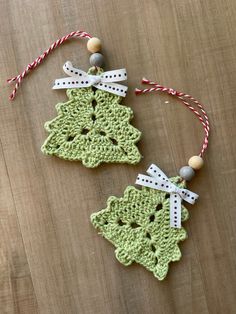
{"x":202,"y":115}
{"x":18,"y":79}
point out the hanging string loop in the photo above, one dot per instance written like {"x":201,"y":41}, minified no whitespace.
{"x":31,"y":66}
{"x":199,"y":111}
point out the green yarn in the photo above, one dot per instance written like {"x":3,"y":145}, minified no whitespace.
{"x":92,"y":127}
{"x":138,"y":225}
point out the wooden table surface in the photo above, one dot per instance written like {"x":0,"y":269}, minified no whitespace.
{"x":51,"y":258}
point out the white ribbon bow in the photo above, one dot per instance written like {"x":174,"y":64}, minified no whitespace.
{"x":104,"y":81}
{"x":159,"y":181}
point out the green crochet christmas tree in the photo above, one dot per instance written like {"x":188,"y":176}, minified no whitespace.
{"x":92,"y":127}
{"x":138,"y":225}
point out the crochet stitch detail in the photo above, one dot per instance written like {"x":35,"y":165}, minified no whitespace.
{"x":138,"y":225}
{"x":92,"y":127}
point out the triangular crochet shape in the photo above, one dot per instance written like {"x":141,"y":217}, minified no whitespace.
{"x":92,"y":127}
{"x":138,"y":225}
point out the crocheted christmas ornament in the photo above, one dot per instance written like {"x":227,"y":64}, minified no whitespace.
{"x":138,"y":224}
{"x":92,"y":127}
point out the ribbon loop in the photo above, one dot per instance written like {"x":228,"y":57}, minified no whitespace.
{"x":159,"y":181}
{"x":105,"y":81}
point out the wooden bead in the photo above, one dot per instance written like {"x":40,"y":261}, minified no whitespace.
{"x":96,"y":59}
{"x":196,"y":162}
{"x":186,"y":173}
{"x":94,"y":44}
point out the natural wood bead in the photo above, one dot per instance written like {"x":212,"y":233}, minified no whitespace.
{"x":96,"y":59}
{"x":196,"y":162}
{"x":94,"y":44}
{"x":186,"y":173}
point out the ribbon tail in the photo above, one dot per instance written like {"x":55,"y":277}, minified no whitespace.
{"x":113,"y":88}
{"x":189,"y":196}
{"x":175,"y":210}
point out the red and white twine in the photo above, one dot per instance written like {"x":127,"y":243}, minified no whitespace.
{"x":201,"y":114}
{"x":31,"y":66}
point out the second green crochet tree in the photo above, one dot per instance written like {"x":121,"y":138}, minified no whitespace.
{"x":138,"y":224}
{"x":92,"y":127}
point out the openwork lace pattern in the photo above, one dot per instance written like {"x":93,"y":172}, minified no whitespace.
{"x":92,"y":127}
{"x":138,"y":224}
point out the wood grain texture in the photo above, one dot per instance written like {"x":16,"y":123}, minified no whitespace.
{"x":51,"y":258}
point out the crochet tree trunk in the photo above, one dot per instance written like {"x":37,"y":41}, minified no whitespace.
{"x":92,"y":127}
{"x":138,"y":225}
